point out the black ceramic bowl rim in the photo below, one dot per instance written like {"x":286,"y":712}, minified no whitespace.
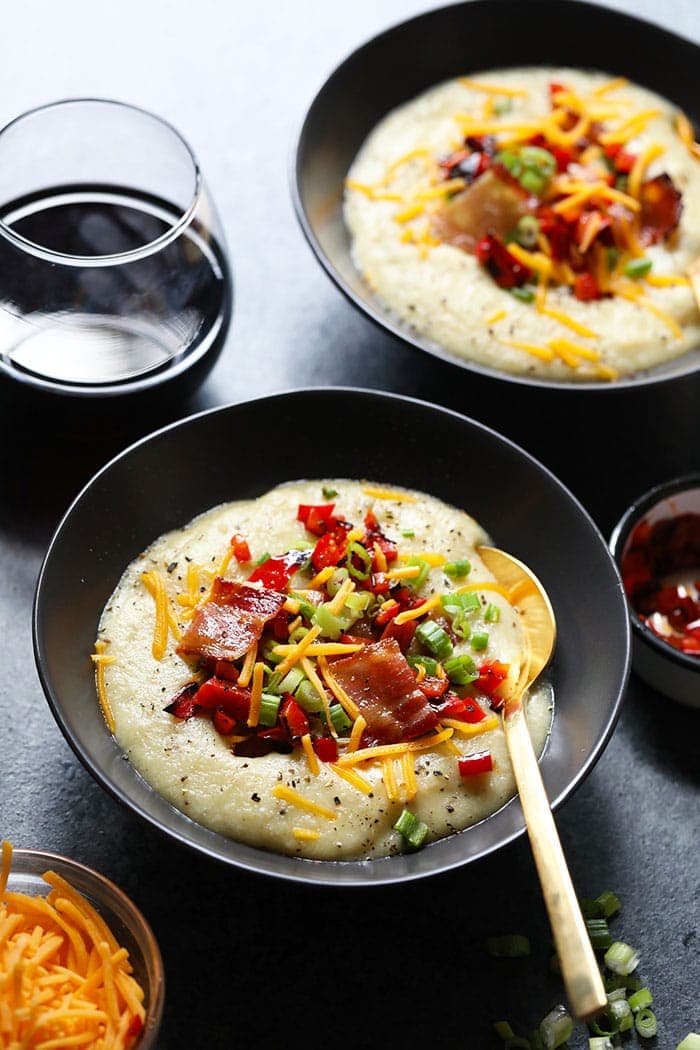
{"x":415,"y":28}
{"x":132,"y":499}
{"x":618,"y":539}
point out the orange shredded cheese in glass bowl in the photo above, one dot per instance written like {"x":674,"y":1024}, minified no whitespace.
{"x":65,"y":978}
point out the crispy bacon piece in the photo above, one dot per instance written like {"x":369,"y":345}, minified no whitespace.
{"x":382,"y":684}
{"x":662,"y":206}
{"x":225,"y":627}
{"x":491,"y":205}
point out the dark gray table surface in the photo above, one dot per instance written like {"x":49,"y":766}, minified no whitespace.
{"x":250,"y":961}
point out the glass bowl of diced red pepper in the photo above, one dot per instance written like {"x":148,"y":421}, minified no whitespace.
{"x":656,"y":545}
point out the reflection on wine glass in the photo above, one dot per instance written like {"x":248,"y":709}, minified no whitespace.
{"x":113,"y":268}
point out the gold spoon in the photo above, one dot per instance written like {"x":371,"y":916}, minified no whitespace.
{"x":579,"y":967}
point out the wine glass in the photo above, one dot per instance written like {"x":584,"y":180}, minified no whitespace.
{"x":113,"y":268}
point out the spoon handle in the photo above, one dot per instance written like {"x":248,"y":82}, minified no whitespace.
{"x":579,"y":967}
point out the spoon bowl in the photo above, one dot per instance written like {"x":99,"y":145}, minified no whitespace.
{"x":579,"y":968}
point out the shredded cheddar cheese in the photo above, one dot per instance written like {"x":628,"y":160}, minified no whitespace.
{"x":64,"y":979}
{"x":256,"y":693}
{"x":100,"y":659}
{"x":366,"y":754}
{"x":287,"y":794}
{"x":351,"y":776}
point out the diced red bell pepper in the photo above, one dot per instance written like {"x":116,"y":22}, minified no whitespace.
{"x":379,"y":583}
{"x":326,"y":748}
{"x":226,"y":669}
{"x":223,"y":722}
{"x":586,"y":287}
{"x":479,"y":762}
{"x":276,"y":572}
{"x":402,"y":632}
{"x":505,"y":269}
{"x":217,"y":692}
{"x":330,"y":548}
{"x":491,"y":674}
{"x":241,"y":550}
{"x":183,"y":705}
{"x":293,"y":717}
{"x":433,"y":687}
{"x":555,"y":87}
{"x":318,"y":518}
{"x":463,"y":709}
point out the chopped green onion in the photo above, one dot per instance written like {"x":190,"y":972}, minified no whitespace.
{"x":591,"y":909}
{"x":336,"y":581}
{"x":408,"y":534}
{"x":297,"y":634}
{"x":356,"y":550}
{"x":269,"y":706}
{"x":604,"y":1024}
{"x":434,"y":638}
{"x":612,"y":255}
{"x":510,"y":946}
{"x":638,"y":267}
{"x":556,"y":1027}
{"x":599,"y":933}
{"x":638,"y":1000}
{"x":274,"y":680}
{"x":691,"y":1042}
{"x":645,"y":1023}
{"x":306,"y":608}
{"x":307,"y":698}
{"x":525,"y":295}
{"x":340,"y":720}
{"x":467,"y":602}
{"x":457,"y":569}
{"x":608,"y":902}
{"x":533,"y":181}
{"x":600,"y":1042}
{"x":332,"y":625}
{"x":267,"y":651}
{"x":621,"y":958}
{"x":503,"y":1029}
{"x":527,"y":231}
{"x":461,"y":670}
{"x":417,"y":581}
{"x":621,"y":1014}
{"x":492,"y":614}
{"x":265,"y":557}
{"x":293,"y":678}
{"x":412,"y":829}
{"x":430,"y":665}
{"x":358,"y":601}
{"x":479,"y":641}
{"x":616,"y":994}
{"x":329,"y":493}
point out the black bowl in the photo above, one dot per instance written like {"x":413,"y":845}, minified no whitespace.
{"x":235,"y":452}
{"x":462,"y":38}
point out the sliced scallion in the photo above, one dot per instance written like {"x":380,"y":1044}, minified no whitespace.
{"x":621,"y":958}
{"x":269,"y":706}
{"x":413,"y":830}
{"x":263,"y":558}
{"x":358,"y":601}
{"x":524,"y":294}
{"x":435,"y":638}
{"x":600,"y":1042}
{"x":638,"y":267}
{"x":645,"y":1023}
{"x":638,"y":1000}
{"x":479,"y":640}
{"x":599,"y":933}
{"x":293,"y":678}
{"x":621,"y":1014}
{"x":307,"y":609}
{"x":340,"y":720}
{"x":329,"y":493}
{"x":336,"y":581}
{"x":556,"y":1027}
{"x":461,"y":670}
{"x":356,"y":553}
{"x":332,"y":625}
{"x":408,"y":534}
{"x":492,"y":613}
{"x":430,"y":665}
{"x":307,"y":698}
{"x":457,"y":570}
{"x":608,"y":902}
{"x":691,"y":1042}
{"x":424,"y":568}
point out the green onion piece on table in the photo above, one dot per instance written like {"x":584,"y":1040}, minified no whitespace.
{"x":645,"y":1023}
{"x":621,"y":958}
{"x":608,"y":902}
{"x":691,"y":1042}
{"x":599,"y":933}
{"x":638,"y":1000}
{"x":556,"y":1027}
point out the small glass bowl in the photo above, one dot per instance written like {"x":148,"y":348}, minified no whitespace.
{"x":119,"y":912}
{"x":673,"y":673}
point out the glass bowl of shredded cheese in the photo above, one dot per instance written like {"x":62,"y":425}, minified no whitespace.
{"x":79,"y":961}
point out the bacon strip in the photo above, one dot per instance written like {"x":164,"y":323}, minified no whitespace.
{"x":383,"y":686}
{"x":225,"y":626}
